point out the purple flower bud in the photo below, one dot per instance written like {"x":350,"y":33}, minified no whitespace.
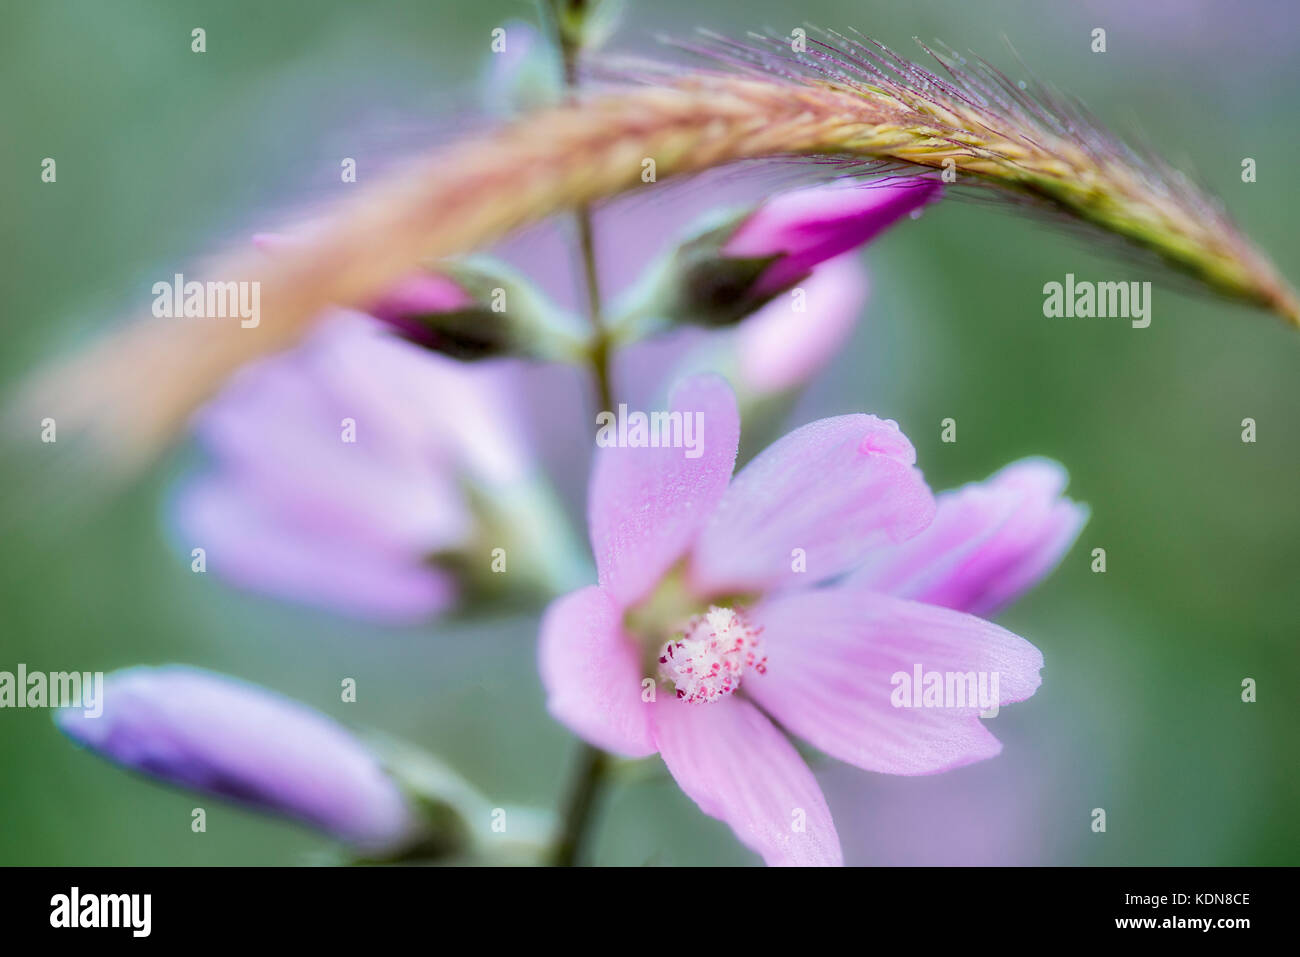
{"x":219,"y":735}
{"x":435,"y":312}
{"x":808,"y":226}
{"x":430,"y":310}
{"x":420,"y":294}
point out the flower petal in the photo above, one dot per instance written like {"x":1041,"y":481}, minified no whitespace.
{"x":278,"y":427}
{"x":833,"y":489}
{"x":591,"y":673}
{"x":646,"y":505}
{"x":989,"y":543}
{"x":731,"y":761}
{"x":323,"y":563}
{"x":833,"y":655}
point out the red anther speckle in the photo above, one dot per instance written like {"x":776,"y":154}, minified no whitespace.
{"x":716,"y":649}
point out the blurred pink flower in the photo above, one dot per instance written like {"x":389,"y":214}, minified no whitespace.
{"x":292,"y":508}
{"x":717,"y":584}
{"x":780,"y":348}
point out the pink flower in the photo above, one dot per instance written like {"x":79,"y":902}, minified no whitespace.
{"x":808,"y":226}
{"x":717,"y":611}
{"x":300,"y":507}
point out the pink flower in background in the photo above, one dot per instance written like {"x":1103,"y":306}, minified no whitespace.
{"x":773,"y":355}
{"x":776,"y":350}
{"x":293,"y":509}
{"x":722,"y":589}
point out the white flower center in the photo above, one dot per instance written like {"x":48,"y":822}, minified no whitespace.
{"x":706,"y":661}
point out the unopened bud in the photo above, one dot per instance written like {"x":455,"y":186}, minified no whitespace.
{"x":472,"y":310}
{"x":733,"y":269}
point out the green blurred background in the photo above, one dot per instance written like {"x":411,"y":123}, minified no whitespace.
{"x":162,"y":152}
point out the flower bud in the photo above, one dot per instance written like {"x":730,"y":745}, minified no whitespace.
{"x":798,"y":230}
{"x":474,"y":310}
{"x":217,"y":735}
{"x":432,"y":311}
{"x":478,"y":309}
{"x":733,"y":269}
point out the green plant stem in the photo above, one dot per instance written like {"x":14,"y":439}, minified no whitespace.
{"x":599,"y":349}
{"x":569,"y":44}
{"x":589,"y":777}
{"x":580,"y":804}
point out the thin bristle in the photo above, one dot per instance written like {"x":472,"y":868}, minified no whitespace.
{"x":1029,"y":142}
